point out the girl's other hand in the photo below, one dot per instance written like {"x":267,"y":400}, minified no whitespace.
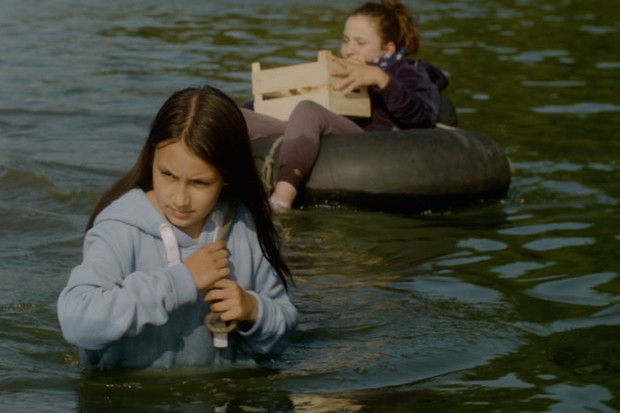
{"x":232,"y":301}
{"x":208,"y":265}
{"x":355,"y":73}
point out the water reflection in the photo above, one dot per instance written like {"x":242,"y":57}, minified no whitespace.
{"x":377,"y":309}
{"x":577,"y":290}
{"x":499,"y":307}
{"x":191,"y":391}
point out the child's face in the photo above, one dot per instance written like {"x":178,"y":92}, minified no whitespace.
{"x":185,"y":188}
{"x":361,"y":37}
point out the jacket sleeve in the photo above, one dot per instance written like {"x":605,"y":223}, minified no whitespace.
{"x":412,"y":97}
{"x":105,"y":299}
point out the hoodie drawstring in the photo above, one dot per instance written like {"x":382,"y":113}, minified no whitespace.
{"x":170,"y":243}
{"x":212,"y":320}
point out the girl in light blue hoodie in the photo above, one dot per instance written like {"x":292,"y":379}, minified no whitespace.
{"x":160,"y":260}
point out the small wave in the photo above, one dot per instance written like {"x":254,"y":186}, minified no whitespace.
{"x":17,"y":181}
{"x":543,"y":228}
{"x":536,"y":56}
{"x":585,"y":108}
{"x":608,"y":65}
{"x":37,"y":190}
{"x":519,"y":268}
{"x":554,"y":83}
{"x":551,"y":244}
{"x":577,"y":290}
{"x":598,"y":29}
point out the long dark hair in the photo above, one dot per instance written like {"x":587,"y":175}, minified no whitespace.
{"x":395,"y":23}
{"x":212,"y":126}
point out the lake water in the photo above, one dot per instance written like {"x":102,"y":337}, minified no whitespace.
{"x":505,"y":306}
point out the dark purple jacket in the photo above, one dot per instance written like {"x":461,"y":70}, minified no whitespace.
{"x":411,"y":98}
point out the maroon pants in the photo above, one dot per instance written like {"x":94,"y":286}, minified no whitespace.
{"x":302,"y":134}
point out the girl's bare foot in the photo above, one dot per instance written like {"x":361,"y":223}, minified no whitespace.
{"x":282,"y":198}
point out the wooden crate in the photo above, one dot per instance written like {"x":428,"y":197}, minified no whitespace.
{"x":277,"y":91}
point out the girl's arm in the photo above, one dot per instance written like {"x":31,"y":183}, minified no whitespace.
{"x":105,"y":299}
{"x":411,"y":98}
{"x":262,"y":304}
{"x":276,"y":318}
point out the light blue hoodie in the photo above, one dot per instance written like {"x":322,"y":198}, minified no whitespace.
{"x":123,"y":306}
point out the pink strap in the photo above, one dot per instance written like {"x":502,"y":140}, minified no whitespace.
{"x":170,"y":243}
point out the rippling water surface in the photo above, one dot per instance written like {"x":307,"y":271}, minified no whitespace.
{"x":506,"y":306}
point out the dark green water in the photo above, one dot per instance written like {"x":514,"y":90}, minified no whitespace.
{"x":511,"y":306}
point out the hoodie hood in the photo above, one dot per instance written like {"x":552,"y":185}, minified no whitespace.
{"x":135,"y":209}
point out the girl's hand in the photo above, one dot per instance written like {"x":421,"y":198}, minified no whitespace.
{"x":356,"y":73}
{"x":232,"y":301}
{"x":208,"y":265}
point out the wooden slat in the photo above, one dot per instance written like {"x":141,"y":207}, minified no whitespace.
{"x":290,"y":77}
{"x":277,"y":91}
{"x":281,"y":108}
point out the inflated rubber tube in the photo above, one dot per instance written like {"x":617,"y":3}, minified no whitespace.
{"x":406,"y":171}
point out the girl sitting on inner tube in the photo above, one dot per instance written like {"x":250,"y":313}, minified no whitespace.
{"x":404,"y":94}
